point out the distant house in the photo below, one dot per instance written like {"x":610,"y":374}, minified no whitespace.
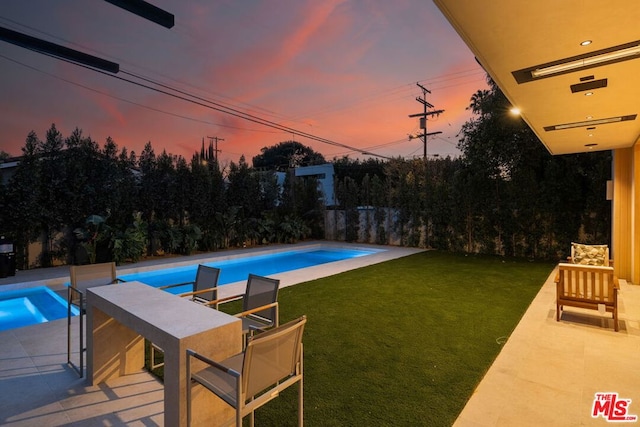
{"x":323,"y":173}
{"x":8,"y":168}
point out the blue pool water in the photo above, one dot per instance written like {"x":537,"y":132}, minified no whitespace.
{"x":236,"y":270}
{"x":36,"y":305}
{"x":25,"y":307}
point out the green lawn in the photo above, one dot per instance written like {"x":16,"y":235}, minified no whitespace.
{"x":405,"y":342}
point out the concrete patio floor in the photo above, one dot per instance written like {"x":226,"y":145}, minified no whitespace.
{"x":547,"y":373}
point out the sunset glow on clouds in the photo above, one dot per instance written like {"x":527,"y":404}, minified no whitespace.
{"x":341,"y":70}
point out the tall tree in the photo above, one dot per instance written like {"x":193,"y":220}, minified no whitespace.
{"x":243,"y":192}
{"x":22,"y":218}
{"x":285,"y":155}
{"x":52,"y":191}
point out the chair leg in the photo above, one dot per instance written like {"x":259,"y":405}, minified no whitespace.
{"x":78,"y":368}
{"x":301,"y":390}
{"x":68,"y":332}
{"x":188,"y":389}
{"x":152,"y":357}
{"x":81,"y":317}
{"x":300,"y":405}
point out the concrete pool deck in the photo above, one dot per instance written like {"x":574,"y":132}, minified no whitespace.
{"x":37,"y":387}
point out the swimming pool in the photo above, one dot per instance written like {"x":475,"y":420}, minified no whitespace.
{"x":236,"y":270}
{"x":23,"y":307}
{"x":29,"y":306}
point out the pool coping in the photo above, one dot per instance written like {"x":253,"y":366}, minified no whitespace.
{"x":56,"y":277}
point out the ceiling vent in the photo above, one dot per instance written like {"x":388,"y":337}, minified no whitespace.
{"x":590,"y":85}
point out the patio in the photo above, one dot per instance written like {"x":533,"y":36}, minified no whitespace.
{"x":546,"y":374}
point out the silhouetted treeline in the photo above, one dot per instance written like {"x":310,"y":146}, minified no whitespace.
{"x":504,"y":195}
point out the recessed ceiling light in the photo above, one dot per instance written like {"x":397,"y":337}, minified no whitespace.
{"x":515,"y":111}
{"x":588,"y":94}
{"x":585,"y":43}
{"x":589,"y":117}
{"x":590,"y":134}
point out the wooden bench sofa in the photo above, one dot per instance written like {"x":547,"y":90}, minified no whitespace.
{"x":587,"y":286}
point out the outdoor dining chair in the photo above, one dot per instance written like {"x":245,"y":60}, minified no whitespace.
{"x":204,"y":289}
{"x":83,"y":277}
{"x":205,"y":286}
{"x":271,"y":362}
{"x":259,"y":304}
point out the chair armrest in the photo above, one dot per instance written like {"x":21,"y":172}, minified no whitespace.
{"x":70,"y":291}
{"x":201,"y":291}
{"x":616,"y":283}
{"x":225,"y":299}
{"x":118,"y":280}
{"x":212,"y":363}
{"x":255,"y":310}
{"x":176,"y":285}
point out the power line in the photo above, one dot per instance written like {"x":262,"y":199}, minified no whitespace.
{"x":194,"y":99}
{"x":180,"y":116}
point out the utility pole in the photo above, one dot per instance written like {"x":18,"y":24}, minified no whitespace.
{"x":215,"y":150}
{"x":423,"y":118}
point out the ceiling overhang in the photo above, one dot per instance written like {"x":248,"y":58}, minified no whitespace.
{"x":571,"y":67}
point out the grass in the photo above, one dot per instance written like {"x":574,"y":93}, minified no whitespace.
{"x":404,"y":342}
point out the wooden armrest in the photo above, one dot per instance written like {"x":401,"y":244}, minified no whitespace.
{"x":226,"y":299}
{"x":201,"y":291}
{"x":175,"y":285}
{"x":255,"y":310}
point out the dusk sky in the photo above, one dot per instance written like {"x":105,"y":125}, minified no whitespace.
{"x":345,"y":71}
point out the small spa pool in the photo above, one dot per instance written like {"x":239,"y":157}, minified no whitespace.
{"x":23,"y":307}
{"x":238,"y":269}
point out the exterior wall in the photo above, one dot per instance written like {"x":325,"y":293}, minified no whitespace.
{"x":325,"y":174}
{"x":626,"y":217}
{"x":635,"y":214}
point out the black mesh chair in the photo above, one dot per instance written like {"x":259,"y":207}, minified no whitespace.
{"x":204,"y":288}
{"x":259,"y":304}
